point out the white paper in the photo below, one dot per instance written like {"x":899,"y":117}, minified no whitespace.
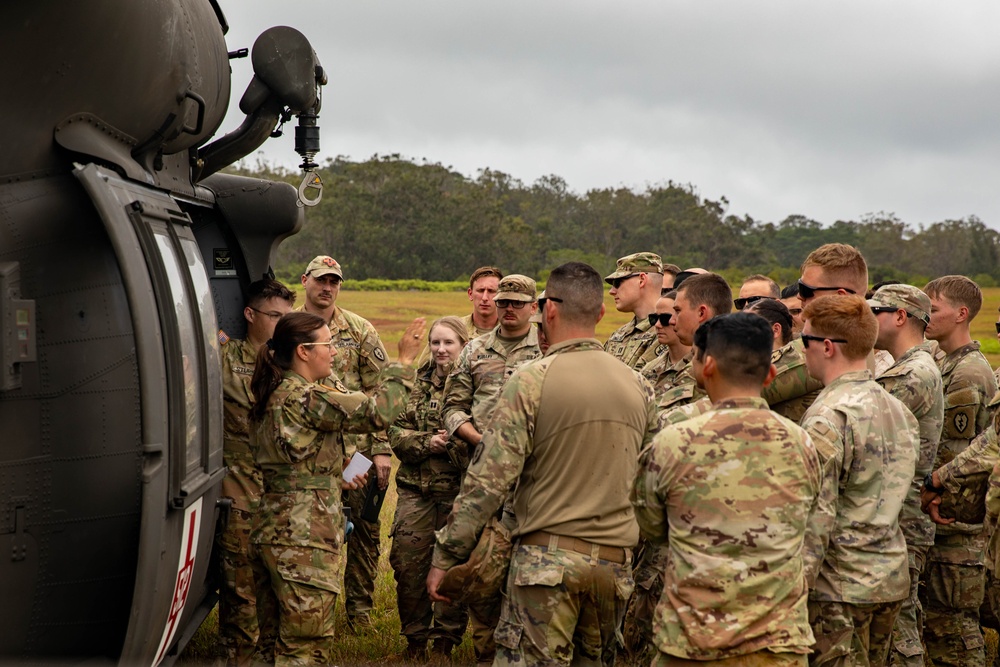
{"x":359,"y":464}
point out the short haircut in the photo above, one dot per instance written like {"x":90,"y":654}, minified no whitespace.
{"x":262,"y":290}
{"x":709,"y":289}
{"x":847,"y":317}
{"x":842,"y":263}
{"x":485,"y":272}
{"x":774,"y":312}
{"x":790,"y":291}
{"x":669,"y":294}
{"x":958,"y":290}
{"x":741,"y":345}
{"x":760,"y":277}
{"x":581,"y":290}
{"x":672,"y":269}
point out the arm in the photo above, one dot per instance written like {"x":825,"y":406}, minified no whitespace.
{"x":458,"y":393}
{"x":327,"y":409}
{"x":830,"y":450}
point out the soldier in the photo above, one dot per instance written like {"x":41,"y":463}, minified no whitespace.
{"x":570,"y":574}
{"x":902,"y":312}
{"x":635,"y":286}
{"x":755,"y":288}
{"x":483,"y":285}
{"x":297,"y":428}
{"x":778,"y":318}
{"x":239,"y":630}
{"x":428,"y":478}
{"x":731,"y":492}
{"x":790,"y":297}
{"x":471,"y":392}
{"x":868,"y":444}
{"x":662,"y":371}
{"x":359,"y":360}
{"x":670,"y":272}
{"x":954,"y":575}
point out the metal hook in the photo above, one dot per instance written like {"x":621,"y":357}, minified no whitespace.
{"x":311,"y":181}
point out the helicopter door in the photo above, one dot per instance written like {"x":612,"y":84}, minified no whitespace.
{"x":180,"y":379}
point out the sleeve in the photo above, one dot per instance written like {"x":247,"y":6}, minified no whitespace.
{"x":649,"y":491}
{"x":458,"y":394}
{"x":327,"y":409}
{"x":409,"y":443}
{"x":829,"y":444}
{"x":507,"y":443}
{"x":993,"y":494}
{"x":979,"y":457}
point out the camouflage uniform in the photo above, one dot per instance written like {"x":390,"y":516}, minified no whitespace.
{"x":954,"y":575}
{"x":634,"y":343}
{"x":682,"y":391}
{"x":731,"y":492}
{"x":793,"y":390}
{"x":570,"y":573}
{"x":427,"y":484}
{"x":855,"y":554}
{"x":239,"y":596}
{"x":299,"y":525}
{"x":662,"y":372}
{"x":916,"y":381}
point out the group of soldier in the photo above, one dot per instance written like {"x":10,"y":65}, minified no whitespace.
{"x":804,"y":480}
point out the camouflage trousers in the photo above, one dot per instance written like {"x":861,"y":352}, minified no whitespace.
{"x":757,"y":659}
{"x":852,"y":635}
{"x":363,"y":548}
{"x":305,"y":582}
{"x":562,"y":607}
{"x":954,"y":587}
{"x":417,"y":517}
{"x":648,"y":575}
{"x":907,"y":645}
{"x":247,"y":610}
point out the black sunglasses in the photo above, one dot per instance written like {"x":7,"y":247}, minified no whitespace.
{"x":742,"y":303}
{"x":545,"y":299}
{"x":807,"y":292}
{"x":806,"y":338}
{"x":617,"y":282}
{"x":878,"y":310}
{"x":662,"y":318}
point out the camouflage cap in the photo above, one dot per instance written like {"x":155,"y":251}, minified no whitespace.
{"x":516,"y":287}
{"x":324,"y":265}
{"x":537,"y":318}
{"x":640,"y":262}
{"x":907,"y":297}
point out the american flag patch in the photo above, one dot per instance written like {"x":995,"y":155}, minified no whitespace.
{"x":223,"y":338}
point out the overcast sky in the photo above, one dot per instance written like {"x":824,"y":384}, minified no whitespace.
{"x":831,"y":110}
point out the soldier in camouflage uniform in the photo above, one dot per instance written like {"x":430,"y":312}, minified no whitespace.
{"x":868,"y":444}
{"x":755,"y":288}
{"x":483,"y":286}
{"x":297,"y":428}
{"x":790,"y":297}
{"x":635,"y":286}
{"x":954,"y":576}
{"x":239,"y":630}
{"x":471,"y":393}
{"x":731,"y":492}
{"x":903,"y":312}
{"x":428,"y":479}
{"x":662,"y":371}
{"x":570,"y":574}
{"x":359,"y":360}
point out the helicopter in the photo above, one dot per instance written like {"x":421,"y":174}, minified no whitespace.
{"x":123,"y":252}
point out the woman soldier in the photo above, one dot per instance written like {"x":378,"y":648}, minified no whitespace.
{"x":428,"y":479}
{"x":296,"y":433}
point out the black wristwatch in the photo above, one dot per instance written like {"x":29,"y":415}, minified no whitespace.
{"x":929,"y":484}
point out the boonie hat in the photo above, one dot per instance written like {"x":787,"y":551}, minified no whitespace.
{"x":640,"y":262}
{"x":324,"y":265}
{"x":907,"y":297}
{"x":516,"y":287}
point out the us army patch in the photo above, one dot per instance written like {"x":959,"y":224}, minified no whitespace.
{"x":377,"y":353}
{"x":961,"y":421}
{"x":339,"y":386}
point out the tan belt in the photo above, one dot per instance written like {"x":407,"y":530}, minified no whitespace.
{"x":540,"y":538}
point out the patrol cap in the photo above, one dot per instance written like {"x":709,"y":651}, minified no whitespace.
{"x":537,"y":317}
{"x":640,"y":262}
{"x":324,"y":265}
{"x":516,"y":287}
{"x":907,"y":297}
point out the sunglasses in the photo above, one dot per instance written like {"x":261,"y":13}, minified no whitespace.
{"x":878,"y":310}
{"x":545,"y":299}
{"x":807,"y":337}
{"x":516,"y":305}
{"x":746,"y":301}
{"x":662,"y":318}
{"x":998,"y":327}
{"x":807,"y":292}
{"x":617,"y":282}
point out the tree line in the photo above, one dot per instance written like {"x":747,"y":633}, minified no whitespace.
{"x":390,"y":217}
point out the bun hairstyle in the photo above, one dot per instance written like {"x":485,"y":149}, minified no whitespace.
{"x":275,"y":357}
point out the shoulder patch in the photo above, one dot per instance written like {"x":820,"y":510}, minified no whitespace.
{"x":378,"y":354}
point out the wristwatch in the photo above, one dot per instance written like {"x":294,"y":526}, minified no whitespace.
{"x":929,"y":484}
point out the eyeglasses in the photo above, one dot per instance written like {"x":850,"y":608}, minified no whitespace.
{"x":998,"y":327}
{"x":878,"y":310}
{"x":806,"y":338}
{"x":545,"y":299}
{"x":274,"y":315}
{"x":328,"y":343}
{"x":617,"y":282}
{"x":516,"y":305}
{"x":746,"y":301}
{"x":807,"y":292}
{"x":662,"y":318}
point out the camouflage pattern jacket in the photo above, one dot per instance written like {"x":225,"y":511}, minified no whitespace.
{"x":631,"y":342}
{"x":420,"y":470}
{"x":480,"y":373}
{"x":576,"y":404}
{"x":793,"y":390}
{"x":731,"y":491}
{"x":661,"y":372}
{"x":868,"y":443}
{"x":300,"y":449}
{"x":683,"y":390}
{"x":916,"y":381}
